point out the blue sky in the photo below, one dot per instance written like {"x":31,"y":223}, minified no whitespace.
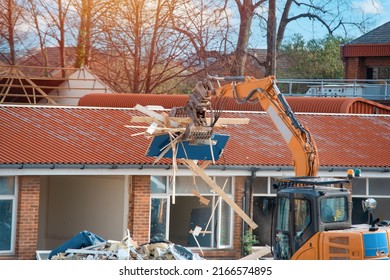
{"x":378,"y":11}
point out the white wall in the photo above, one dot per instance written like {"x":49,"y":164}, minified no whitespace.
{"x":70,"y":204}
{"x":79,"y":84}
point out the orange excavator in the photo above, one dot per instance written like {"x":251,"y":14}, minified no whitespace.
{"x":312,"y":215}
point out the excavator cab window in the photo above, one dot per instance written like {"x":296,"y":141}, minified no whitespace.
{"x":302,"y":217}
{"x":334,"y":209}
{"x":294,"y":223}
{"x":282,"y":249}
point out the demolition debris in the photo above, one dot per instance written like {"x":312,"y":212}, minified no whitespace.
{"x":126,"y":249}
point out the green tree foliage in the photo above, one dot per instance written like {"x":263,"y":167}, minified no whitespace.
{"x":315,"y":59}
{"x":248,"y":240}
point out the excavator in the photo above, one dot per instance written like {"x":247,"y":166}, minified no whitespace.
{"x":312,"y":215}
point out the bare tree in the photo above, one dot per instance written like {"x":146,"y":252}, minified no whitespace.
{"x":89,"y":13}
{"x":10,"y":13}
{"x":154,"y":46}
{"x":246,"y":9}
{"x":332,"y":15}
{"x":32,"y":18}
{"x":84,"y":36}
{"x":54,"y":15}
{"x":206,"y":27}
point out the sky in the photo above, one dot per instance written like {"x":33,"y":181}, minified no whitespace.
{"x":377,"y":10}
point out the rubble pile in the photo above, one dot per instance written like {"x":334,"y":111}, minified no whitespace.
{"x":126,"y":249}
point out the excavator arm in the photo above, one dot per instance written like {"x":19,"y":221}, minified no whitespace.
{"x":249,"y":89}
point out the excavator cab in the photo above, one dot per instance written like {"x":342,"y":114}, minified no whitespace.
{"x":305,"y":206}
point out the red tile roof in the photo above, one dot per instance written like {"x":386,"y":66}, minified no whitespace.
{"x":78,"y":135}
{"x":298,"y":104}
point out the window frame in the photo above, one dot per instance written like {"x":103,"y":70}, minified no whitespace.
{"x":217,"y":211}
{"x":14,"y":198}
{"x":368,"y":187}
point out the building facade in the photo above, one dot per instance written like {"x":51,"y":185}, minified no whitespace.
{"x":368,"y":58}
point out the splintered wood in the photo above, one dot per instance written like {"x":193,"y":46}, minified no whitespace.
{"x":166,"y":134}
{"x":202,"y":200}
{"x":194,"y":167}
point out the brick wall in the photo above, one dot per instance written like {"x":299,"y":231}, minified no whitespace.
{"x":238,"y":221}
{"x":139,"y":208}
{"x":356,"y":67}
{"x":27,"y":219}
{"x":377,"y":61}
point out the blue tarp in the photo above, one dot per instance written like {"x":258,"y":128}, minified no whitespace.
{"x":81,"y":240}
{"x":187,"y":150}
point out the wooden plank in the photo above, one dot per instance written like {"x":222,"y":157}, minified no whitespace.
{"x":153,"y":114}
{"x":142,"y":119}
{"x":157,"y":129}
{"x":215,"y":206}
{"x":202,"y":199}
{"x":257,"y":254}
{"x":194,"y":167}
{"x":221,"y":121}
{"x":205,"y":164}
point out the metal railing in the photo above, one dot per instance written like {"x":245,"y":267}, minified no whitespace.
{"x":369,"y":89}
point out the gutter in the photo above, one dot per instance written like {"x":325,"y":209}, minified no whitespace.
{"x":248,"y":168}
{"x":131,"y":169}
{"x":138,"y":166}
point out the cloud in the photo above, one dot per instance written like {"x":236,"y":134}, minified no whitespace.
{"x":370,"y":6}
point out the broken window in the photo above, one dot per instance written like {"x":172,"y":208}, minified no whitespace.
{"x":7,"y":214}
{"x":263,"y":205}
{"x":158,"y":214}
{"x":196,"y":205}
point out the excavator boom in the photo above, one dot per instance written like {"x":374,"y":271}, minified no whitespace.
{"x":266,"y":92}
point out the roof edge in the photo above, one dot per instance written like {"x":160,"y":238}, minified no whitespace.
{"x":169,"y":166}
{"x":355,"y":50}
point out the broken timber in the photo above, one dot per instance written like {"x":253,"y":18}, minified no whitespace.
{"x":195,"y":168}
{"x":186,"y":120}
{"x":202,"y":200}
{"x":257,"y":254}
{"x":171,"y":124}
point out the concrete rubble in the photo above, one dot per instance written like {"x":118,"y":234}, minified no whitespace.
{"x":125,"y":249}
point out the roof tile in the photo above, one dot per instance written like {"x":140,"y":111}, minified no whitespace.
{"x":79,"y":135}
{"x":379,"y":35}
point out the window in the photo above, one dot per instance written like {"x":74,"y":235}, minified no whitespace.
{"x":377,"y":188}
{"x":158,"y":214}
{"x":302,"y":218}
{"x":378,"y":73}
{"x":263,"y":207}
{"x":282,"y":248}
{"x":282,"y":216}
{"x":359,"y":186}
{"x":334,"y":209}
{"x":195,"y":205}
{"x":8,"y":200}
